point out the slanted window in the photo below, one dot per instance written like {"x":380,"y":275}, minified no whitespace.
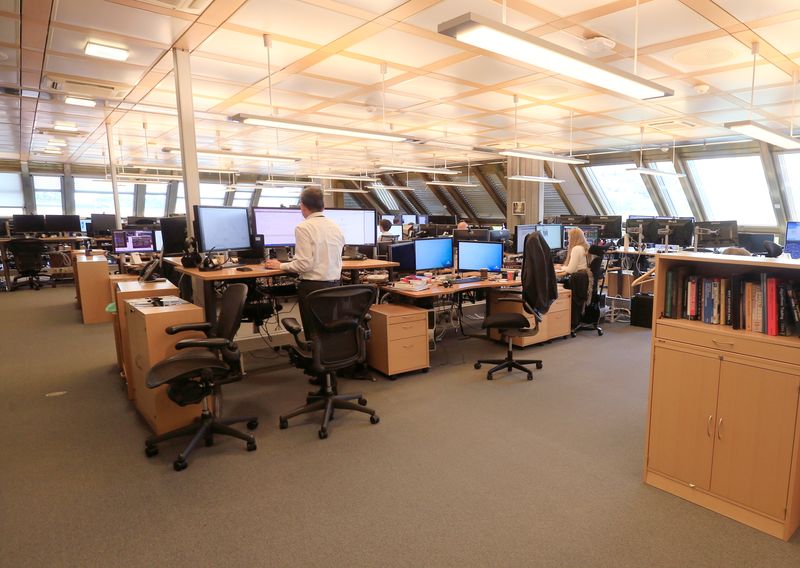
{"x":97,"y":196}
{"x":278,"y":196}
{"x":672,"y":189}
{"x":155,"y":200}
{"x":212,"y":194}
{"x":12,"y":200}
{"x":47,"y":191}
{"x":623,"y":191}
{"x":790,"y":171}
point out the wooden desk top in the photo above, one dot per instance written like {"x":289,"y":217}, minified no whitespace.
{"x":4,"y":240}
{"x":260,"y":271}
{"x":438,"y":290}
{"x":136,"y":286}
{"x":368,"y":264}
{"x":79,"y":258}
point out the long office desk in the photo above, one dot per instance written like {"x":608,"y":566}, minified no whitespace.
{"x":437,"y":290}
{"x":47,"y":240}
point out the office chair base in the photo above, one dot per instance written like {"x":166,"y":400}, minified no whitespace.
{"x":509,"y":364}
{"x":203,"y":428}
{"x":586,"y":327}
{"x":328,"y":402}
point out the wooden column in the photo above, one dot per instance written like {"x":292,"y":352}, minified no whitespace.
{"x":529,"y":192}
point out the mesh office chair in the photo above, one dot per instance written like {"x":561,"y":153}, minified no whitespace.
{"x":588,"y":316}
{"x":339,"y":341}
{"x":199,"y":372}
{"x":29,"y":260}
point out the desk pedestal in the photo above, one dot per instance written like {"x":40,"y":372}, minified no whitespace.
{"x":555,"y":323}
{"x":399,"y":341}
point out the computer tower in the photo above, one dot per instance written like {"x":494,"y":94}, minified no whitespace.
{"x":642,"y":310}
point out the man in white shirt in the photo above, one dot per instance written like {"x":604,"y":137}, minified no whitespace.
{"x":318,"y":252}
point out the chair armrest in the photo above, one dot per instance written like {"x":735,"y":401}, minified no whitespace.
{"x":200,"y":326}
{"x":209,"y":343}
{"x":292,"y":326}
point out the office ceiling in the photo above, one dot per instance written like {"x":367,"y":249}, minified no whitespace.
{"x":326,"y":67}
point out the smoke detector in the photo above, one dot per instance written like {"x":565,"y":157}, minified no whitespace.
{"x":701,"y":89}
{"x":599,"y":44}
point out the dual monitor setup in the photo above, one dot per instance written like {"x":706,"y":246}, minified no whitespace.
{"x":37,"y":224}
{"x":437,"y":254}
{"x":594,"y":227}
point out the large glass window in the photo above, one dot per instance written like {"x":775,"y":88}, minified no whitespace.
{"x":97,"y":196}
{"x":242,"y":197}
{"x":180,"y":200}
{"x":47,"y":191}
{"x":734,"y":188}
{"x":623,"y":191}
{"x":155,"y":200}
{"x":790,"y":171}
{"x":12,"y":201}
{"x":277,"y":196}
{"x":386,"y":197}
{"x":672,"y":189}
{"x":212,"y":193}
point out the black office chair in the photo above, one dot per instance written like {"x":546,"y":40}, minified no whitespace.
{"x":195,"y":374}
{"x":339,"y":341}
{"x":29,"y":261}
{"x":774,"y":250}
{"x":384,"y":242}
{"x":588,"y":316}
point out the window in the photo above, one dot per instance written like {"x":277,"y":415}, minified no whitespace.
{"x":386,"y":197}
{"x":734,"y":188}
{"x":623,"y":191}
{"x":155,"y":200}
{"x":47,"y":193}
{"x":242,"y":197}
{"x":212,"y":194}
{"x":97,"y":196}
{"x":790,"y":170}
{"x":12,"y":201}
{"x":180,"y":201}
{"x":279,"y":196}
{"x":672,"y":189}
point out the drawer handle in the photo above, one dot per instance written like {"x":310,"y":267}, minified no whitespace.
{"x":708,"y":426}
{"x":718,"y":342}
{"x":719,"y":429}
{"x":692,"y":486}
{"x":408,"y":346}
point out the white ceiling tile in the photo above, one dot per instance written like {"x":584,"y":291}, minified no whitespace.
{"x":699,"y":103}
{"x":430,"y":87}
{"x":637,"y":114}
{"x":350,"y":69}
{"x":489,"y":101}
{"x":747,"y":10}
{"x":373,"y":6}
{"x":599,"y":103}
{"x":643,"y":71}
{"x":543,"y":112}
{"x":569,"y":40}
{"x":549,"y":88}
{"x":447,"y":111}
{"x":708,"y":55}
{"x":449,"y":9}
{"x":659,"y":21}
{"x":722,"y":116}
{"x":9,"y":76}
{"x":588,"y":121}
{"x":735,"y":79}
{"x":395,"y":46}
{"x":86,"y":67}
{"x":295,"y":19}
{"x":562,"y":8}
{"x":783,"y":36}
{"x":216,"y":69}
{"x":496,"y":120}
{"x":618,"y":130}
{"x":250,"y":47}
{"x":769,"y":96}
{"x":316,"y":87}
{"x":283,"y":99}
{"x":485,"y":70}
{"x":9,"y":30}
{"x":213,"y":89}
{"x":358,"y":112}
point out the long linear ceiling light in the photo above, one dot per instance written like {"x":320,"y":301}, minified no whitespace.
{"x":539,"y":179}
{"x":391,"y":187}
{"x":287,"y":183}
{"x":526,"y":154}
{"x":343,"y":190}
{"x":224,"y":154}
{"x":641,"y":169}
{"x":273,"y":122}
{"x":418,"y":169}
{"x":505,"y":40}
{"x":343,"y":177}
{"x":451,"y":183}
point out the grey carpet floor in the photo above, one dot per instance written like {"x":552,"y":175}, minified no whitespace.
{"x":459,"y":472}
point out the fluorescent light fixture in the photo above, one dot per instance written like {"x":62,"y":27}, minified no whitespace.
{"x":525,"y":154}
{"x":758,"y":132}
{"x":451,"y":183}
{"x":56,"y":142}
{"x":272,"y":122}
{"x":149,"y":177}
{"x":105,"y":51}
{"x":224,"y":154}
{"x":288,"y":183}
{"x":539,"y":179}
{"x":504,"y":40}
{"x":344,"y":190}
{"x":80,"y":102}
{"x":655,"y":172}
{"x":419,"y":169}
{"x":51,"y":151}
{"x":342,"y":177}
{"x":392,"y":187}
{"x":65,"y":127}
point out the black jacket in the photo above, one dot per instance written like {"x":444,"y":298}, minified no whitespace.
{"x":538,"y":275}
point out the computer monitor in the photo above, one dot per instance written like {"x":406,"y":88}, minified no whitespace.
{"x":406,"y":219}
{"x":754,"y":242}
{"x":520,"y":232}
{"x":792,"y":242}
{"x":478,"y":255}
{"x":632,"y":224}
{"x":173,"y":231}
{"x":574,"y":219}
{"x":391,"y":218}
{"x":433,"y":254}
{"x":552,"y":235}
{"x":86,"y":224}
{"x":140,"y":221}
{"x":403,"y":253}
{"x":103,"y":224}
{"x":500,"y":235}
{"x":277,"y":224}
{"x":610,"y":225}
{"x":470,"y":235}
{"x":222,"y":228}
{"x":681,"y":230}
{"x":422,"y":220}
{"x":442,"y":219}
{"x":395,"y":231}
{"x":62,"y":223}
{"x":159,"y":240}
{"x":28,"y":223}
{"x":713,"y":234}
{"x":591,"y":233}
{"x":358,"y":225}
{"x":133,"y":240}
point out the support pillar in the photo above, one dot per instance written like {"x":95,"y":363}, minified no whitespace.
{"x":112,"y":160}
{"x":528,"y":192}
{"x":185,"y":105}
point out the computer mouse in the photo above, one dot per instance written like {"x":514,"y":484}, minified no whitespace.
{"x":244,"y":269}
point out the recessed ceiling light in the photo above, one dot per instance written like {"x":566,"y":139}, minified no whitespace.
{"x":80,"y":102}
{"x":65,"y":126}
{"x":105,"y":51}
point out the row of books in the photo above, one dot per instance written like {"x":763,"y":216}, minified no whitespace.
{"x":752,"y":301}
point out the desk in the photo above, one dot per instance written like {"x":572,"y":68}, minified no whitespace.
{"x":47,"y":240}
{"x":437,"y":290}
{"x":555,"y":323}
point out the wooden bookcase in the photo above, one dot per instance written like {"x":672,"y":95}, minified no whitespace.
{"x":723,"y":429}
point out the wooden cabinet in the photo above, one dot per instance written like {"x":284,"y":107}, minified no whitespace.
{"x":556,"y":322}
{"x":91,"y":283}
{"x":723,"y":428}
{"x":399,"y":341}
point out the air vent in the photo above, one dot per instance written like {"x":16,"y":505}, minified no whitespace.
{"x":90,"y":89}
{"x":671,"y":124}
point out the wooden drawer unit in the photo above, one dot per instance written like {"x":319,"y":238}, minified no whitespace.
{"x":399,"y":341}
{"x":555,"y":323}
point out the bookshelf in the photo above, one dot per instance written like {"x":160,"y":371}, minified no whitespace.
{"x":723,"y":429}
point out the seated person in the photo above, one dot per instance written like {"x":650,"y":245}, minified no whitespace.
{"x":463,"y":225}
{"x":577,"y":253}
{"x":385,"y":226}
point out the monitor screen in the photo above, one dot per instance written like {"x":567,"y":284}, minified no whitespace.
{"x":522,"y":231}
{"x":277,"y":224}
{"x":103,"y":223}
{"x":551,"y":234}
{"x":422,"y":219}
{"x":62,"y":223}
{"x":409,"y":219}
{"x":632,"y":225}
{"x":477,"y":255}
{"x":135,"y":220}
{"x":442,"y":219}
{"x":396,"y":231}
{"x":754,"y":242}
{"x":610,"y":225}
{"x":85,"y":225}
{"x":28,"y":223}
{"x":133,"y":240}
{"x":222,"y":228}
{"x":404,"y":254}
{"x":471,"y":235}
{"x":433,"y":254}
{"x":358,"y":225}
{"x":717,"y":234}
{"x":792,"y":244}
{"x":573,"y":219}
{"x":173,"y":231}
{"x":589,"y":231}
{"x":391,"y":218}
{"x":681,"y":230}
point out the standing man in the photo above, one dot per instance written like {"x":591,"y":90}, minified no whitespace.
{"x":317,"y":254}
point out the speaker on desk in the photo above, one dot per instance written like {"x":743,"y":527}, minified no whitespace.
{"x":257,"y":246}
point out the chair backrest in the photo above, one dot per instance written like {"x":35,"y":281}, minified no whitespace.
{"x":27,"y":254}
{"x":774,"y":250}
{"x":230,"y":315}
{"x":538,"y":276}
{"x":339,"y":314}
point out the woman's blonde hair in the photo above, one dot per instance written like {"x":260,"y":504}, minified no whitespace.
{"x":576,"y":238}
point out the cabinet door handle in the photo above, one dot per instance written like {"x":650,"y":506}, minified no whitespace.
{"x":726,"y":343}
{"x":719,"y":429}
{"x":708,"y":425}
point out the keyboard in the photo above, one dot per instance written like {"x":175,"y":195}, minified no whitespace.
{"x":467,"y":280}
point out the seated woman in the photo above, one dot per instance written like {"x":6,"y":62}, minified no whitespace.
{"x":575,"y":275}
{"x":577,"y":253}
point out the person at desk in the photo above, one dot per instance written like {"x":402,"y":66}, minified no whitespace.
{"x":462,"y":226}
{"x":318,"y":252}
{"x":386,"y":227}
{"x":577,"y":253}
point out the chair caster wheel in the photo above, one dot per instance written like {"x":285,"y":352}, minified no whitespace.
{"x":392,"y":378}
{"x":538,"y":365}
{"x":600,"y":332}
{"x":362,"y":401}
{"x":323,"y":434}
{"x":572,"y":334}
{"x":150,"y":451}
{"x":283,"y":424}
{"x":477,"y":365}
{"x":252,"y":424}
{"x":426,"y":369}
{"x":489,"y":378}
{"x":530,"y":376}
{"x":251,"y":446}
{"x":180,"y":464}
{"x":509,"y":369}
{"x":374,"y":419}
{"x":209,"y":442}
